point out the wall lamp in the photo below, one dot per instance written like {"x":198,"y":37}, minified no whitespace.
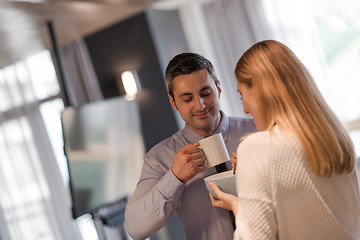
{"x":131,"y":84}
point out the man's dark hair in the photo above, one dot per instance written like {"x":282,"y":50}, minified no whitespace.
{"x":187,"y":63}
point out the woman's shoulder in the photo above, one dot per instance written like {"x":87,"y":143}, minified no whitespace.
{"x":254,"y":146}
{"x":260,"y":138}
{"x":275,"y":139}
{"x":272,"y":153}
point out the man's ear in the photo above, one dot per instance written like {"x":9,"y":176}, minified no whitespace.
{"x":172,"y":101}
{"x":218,"y":88}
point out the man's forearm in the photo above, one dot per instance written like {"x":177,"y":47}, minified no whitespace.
{"x":152,"y":204}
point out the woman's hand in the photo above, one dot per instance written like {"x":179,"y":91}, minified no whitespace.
{"x":225,"y":200}
{"x":233,"y":162}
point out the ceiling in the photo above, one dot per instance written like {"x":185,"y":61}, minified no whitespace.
{"x":24,"y":24}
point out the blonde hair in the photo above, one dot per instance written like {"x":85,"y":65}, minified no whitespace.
{"x":289,"y":97}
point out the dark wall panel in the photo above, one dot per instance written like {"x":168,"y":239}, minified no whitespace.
{"x":128,"y":46}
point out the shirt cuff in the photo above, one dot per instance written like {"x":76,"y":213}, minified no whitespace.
{"x":170,"y":186}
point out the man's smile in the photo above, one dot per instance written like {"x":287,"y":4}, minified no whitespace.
{"x":202,"y":114}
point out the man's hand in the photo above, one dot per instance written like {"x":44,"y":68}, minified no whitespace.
{"x":188,"y":162}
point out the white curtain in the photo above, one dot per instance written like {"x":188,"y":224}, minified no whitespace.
{"x":221,"y":31}
{"x":233,"y":27}
{"x":292,"y":22}
{"x":34,"y":203}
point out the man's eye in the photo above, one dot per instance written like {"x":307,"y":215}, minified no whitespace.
{"x":205,"y":94}
{"x":187,"y":99}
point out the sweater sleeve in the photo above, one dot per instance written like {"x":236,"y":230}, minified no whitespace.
{"x":254,"y":182}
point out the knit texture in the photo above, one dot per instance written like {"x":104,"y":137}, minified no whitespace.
{"x":281,"y":198}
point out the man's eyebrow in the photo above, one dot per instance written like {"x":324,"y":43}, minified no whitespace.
{"x":204,"y":88}
{"x":185,"y":94}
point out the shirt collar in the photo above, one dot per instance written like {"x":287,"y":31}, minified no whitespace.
{"x":193,"y":137}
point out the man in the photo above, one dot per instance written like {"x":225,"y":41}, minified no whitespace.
{"x":173,"y":174}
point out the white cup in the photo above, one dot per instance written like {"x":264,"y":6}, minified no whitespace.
{"x":214,"y":149}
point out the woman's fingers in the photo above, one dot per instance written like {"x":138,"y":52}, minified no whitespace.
{"x":215,"y":202}
{"x":224,"y":200}
{"x":233,"y":162}
{"x":214,"y":187}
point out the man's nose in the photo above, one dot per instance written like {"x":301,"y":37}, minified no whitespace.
{"x":199,"y":103}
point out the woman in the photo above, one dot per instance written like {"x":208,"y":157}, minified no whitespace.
{"x":295,"y":178}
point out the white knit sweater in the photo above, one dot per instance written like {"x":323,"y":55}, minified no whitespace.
{"x":281,"y":198}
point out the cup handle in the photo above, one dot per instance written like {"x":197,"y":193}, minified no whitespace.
{"x":201,"y":150}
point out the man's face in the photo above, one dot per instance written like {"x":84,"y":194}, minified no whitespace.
{"x":196,"y":97}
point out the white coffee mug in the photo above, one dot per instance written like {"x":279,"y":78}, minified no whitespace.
{"x":214,"y":149}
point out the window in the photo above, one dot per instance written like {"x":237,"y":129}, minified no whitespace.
{"x":30,"y":104}
{"x":338,"y":30}
{"x":325,"y":35}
